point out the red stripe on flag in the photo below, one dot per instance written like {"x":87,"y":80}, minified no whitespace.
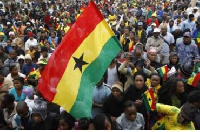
{"x":72,"y":40}
{"x":196,"y":80}
{"x":153,"y":105}
{"x":165,"y":74}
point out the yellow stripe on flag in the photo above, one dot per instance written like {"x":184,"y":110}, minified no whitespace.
{"x":66,"y":94}
{"x":190,"y":80}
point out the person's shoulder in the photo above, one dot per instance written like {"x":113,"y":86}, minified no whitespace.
{"x":139,"y":115}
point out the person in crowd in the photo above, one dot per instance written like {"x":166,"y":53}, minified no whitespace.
{"x":131,"y":119}
{"x":3,"y":70}
{"x":141,"y":33}
{"x":30,"y":42}
{"x":113,"y":105}
{"x":187,"y":51}
{"x":22,"y":117}
{"x":3,"y":55}
{"x":189,"y":23}
{"x":155,"y":41}
{"x":180,"y":119}
{"x":155,"y":82}
{"x":102,"y":122}
{"x":26,"y":69}
{"x":66,"y":121}
{"x":194,"y":98}
{"x":41,"y":120}
{"x":20,"y":62}
{"x":100,"y":93}
{"x":174,"y":61}
{"x":172,"y":93}
{"x":18,"y":88}
{"x":12,"y":60}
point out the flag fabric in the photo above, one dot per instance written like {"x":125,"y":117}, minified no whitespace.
{"x":41,"y":43}
{"x":53,"y":44}
{"x":194,"y":79}
{"x":150,"y":100}
{"x":32,"y":74}
{"x":197,"y":41}
{"x":58,"y":27}
{"x":72,"y":72}
{"x":14,"y":29}
{"x":163,"y":72}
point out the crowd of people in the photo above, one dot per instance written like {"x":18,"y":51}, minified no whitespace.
{"x":159,"y":62}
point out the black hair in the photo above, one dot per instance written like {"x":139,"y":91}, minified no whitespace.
{"x":21,"y":79}
{"x":99,"y":121}
{"x":11,"y":68}
{"x":84,"y":124}
{"x":194,"y":96}
{"x":1,"y":47}
{"x":1,"y":73}
{"x":9,"y":39}
{"x":9,"y":98}
{"x":167,"y":90}
{"x":156,"y":74}
{"x":44,"y":49}
{"x":139,"y":73}
{"x":128,"y":104}
{"x":191,"y":15}
{"x":68,"y":119}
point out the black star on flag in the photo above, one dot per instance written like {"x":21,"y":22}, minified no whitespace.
{"x":79,"y":62}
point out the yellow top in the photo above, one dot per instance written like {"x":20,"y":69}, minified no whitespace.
{"x":111,"y":18}
{"x":148,"y":83}
{"x":140,"y":33}
{"x":170,"y":119}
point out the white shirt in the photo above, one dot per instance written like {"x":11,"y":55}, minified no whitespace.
{"x":165,"y":47}
{"x":30,"y":43}
{"x":112,"y":76}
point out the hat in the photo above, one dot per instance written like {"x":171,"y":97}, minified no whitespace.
{"x":8,"y":23}
{"x":152,"y":50}
{"x":154,"y":15}
{"x":13,"y":44}
{"x":42,"y":62}
{"x":27,"y":56}
{"x":153,"y":24}
{"x":188,"y":111}
{"x":19,"y":21}
{"x":28,"y":23}
{"x":41,"y":27}
{"x":21,"y":57}
{"x":156,"y":30}
{"x":11,"y":33}
{"x":1,"y":34}
{"x":28,"y":92}
{"x":195,"y":8}
{"x":187,"y":34}
{"x":140,"y":23}
{"x":40,"y":107}
{"x":194,"y":96}
{"x":30,"y":34}
{"x":186,"y":69}
{"x":118,"y":85}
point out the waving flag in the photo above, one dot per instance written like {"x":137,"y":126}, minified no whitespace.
{"x":194,"y":79}
{"x":150,"y":100}
{"x":163,"y":72}
{"x":79,"y":62}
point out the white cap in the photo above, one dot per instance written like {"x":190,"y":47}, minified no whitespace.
{"x":11,"y":33}
{"x":153,"y":24}
{"x":40,"y":27}
{"x":195,"y":8}
{"x":21,"y":57}
{"x":156,"y":30}
{"x":28,"y":23}
{"x":27,"y":56}
{"x":8,"y":23}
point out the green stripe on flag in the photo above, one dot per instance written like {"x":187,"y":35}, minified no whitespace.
{"x":92,"y":74}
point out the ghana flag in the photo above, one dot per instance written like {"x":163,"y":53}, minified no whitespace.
{"x":194,"y":79}
{"x":79,"y":62}
{"x":32,"y":73}
{"x":150,"y":100}
{"x":163,"y":72}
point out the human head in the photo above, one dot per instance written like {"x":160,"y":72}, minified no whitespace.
{"x":7,"y":101}
{"x":9,"y":42}
{"x":28,"y":59}
{"x":171,"y":22}
{"x":164,"y":30}
{"x":152,"y":54}
{"x":30,"y":35}
{"x":194,"y":98}
{"x":13,"y":70}
{"x":44,"y":52}
{"x":173,"y":58}
{"x":41,"y":64}
{"x":39,"y":111}
{"x":191,"y":17}
{"x":187,"y":114}
{"x":1,"y":36}
{"x":186,"y":70}
{"x":100,"y":83}
{"x":179,"y":86}
{"x":117,"y":89}
{"x":156,"y":32}
{"x":53,"y":34}
{"x":18,"y":83}
{"x":12,"y":35}
{"x":130,"y":110}
{"x":22,"y":109}
{"x":140,"y":25}
{"x":126,"y":31}
{"x":102,"y":122}
{"x":83,"y":124}
{"x":155,"y":79}
{"x":66,"y":121}
{"x":13,"y":54}
{"x":1,"y":49}
{"x":187,"y":38}
{"x":139,"y":80}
